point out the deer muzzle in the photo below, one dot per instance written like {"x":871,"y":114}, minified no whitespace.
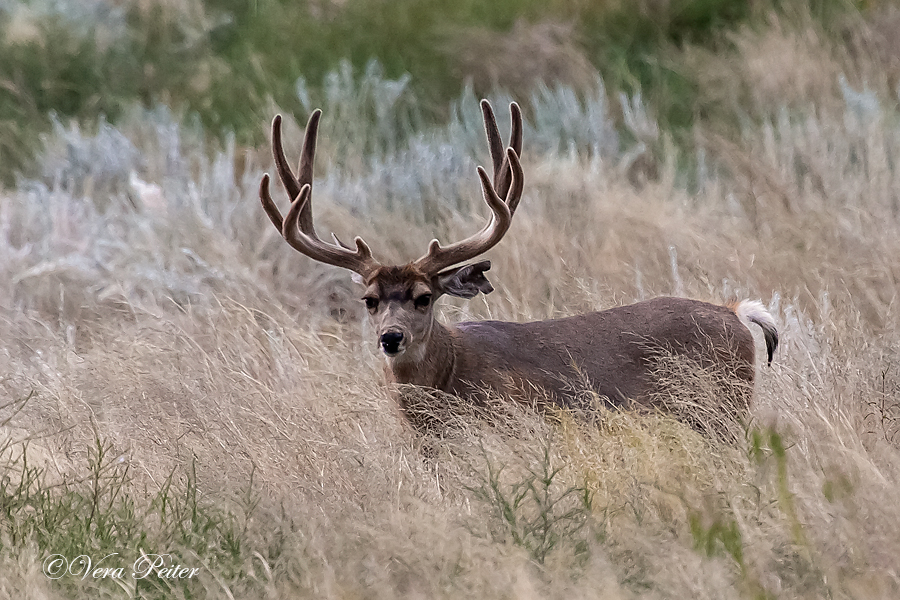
{"x":392,"y":342}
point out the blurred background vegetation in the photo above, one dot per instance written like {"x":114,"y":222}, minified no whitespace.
{"x":228,"y":63}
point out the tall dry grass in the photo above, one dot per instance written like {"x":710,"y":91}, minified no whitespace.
{"x":148,"y":304}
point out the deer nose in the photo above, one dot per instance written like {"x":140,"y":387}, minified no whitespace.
{"x":390,"y":342}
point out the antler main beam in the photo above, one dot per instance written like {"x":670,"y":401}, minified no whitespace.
{"x":508,"y":181}
{"x":297,"y":227}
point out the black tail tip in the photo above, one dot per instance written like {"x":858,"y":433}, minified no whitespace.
{"x":771,"y":342}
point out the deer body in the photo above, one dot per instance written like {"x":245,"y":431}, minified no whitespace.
{"x":611,"y":353}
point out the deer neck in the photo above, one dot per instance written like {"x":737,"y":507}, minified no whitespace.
{"x":433,"y":365}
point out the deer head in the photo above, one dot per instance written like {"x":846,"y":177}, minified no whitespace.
{"x":400,"y":299}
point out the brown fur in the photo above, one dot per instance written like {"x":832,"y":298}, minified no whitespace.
{"x":566,"y":362}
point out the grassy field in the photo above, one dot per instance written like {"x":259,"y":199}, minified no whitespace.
{"x":175,"y":380}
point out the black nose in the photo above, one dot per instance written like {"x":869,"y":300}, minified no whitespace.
{"x":390,"y":342}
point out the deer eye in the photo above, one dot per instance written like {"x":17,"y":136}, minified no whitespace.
{"x":371,"y":302}
{"x":422,"y":301}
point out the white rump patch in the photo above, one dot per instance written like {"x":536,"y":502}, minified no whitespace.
{"x":753,"y":311}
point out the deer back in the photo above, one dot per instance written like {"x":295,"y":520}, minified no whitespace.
{"x":612,"y":353}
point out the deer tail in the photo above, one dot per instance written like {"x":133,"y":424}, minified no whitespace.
{"x":753,"y":311}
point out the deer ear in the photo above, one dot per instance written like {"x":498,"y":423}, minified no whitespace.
{"x":464,"y":282}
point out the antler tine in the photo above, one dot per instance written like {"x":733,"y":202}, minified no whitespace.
{"x":439,"y":258}
{"x":498,"y":157}
{"x":305,"y":168}
{"x":495,"y":142}
{"x":297,"y":226}
{"x":269,"y":205}
{"x":517,"y":180}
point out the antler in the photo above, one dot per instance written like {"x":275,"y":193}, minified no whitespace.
{"x":297,"y":227}
{"x":502,"y":173}
{"x":508,"y":182}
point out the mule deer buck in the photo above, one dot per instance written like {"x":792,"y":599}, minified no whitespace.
{"x":612,"y":352}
